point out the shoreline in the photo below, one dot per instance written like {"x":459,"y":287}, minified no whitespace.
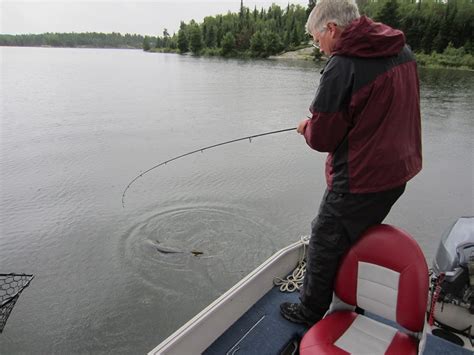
{"x":304,"y":54}
{"x":422,"y":59}
{"x":80,"y":47}
{"x":299,"y":54}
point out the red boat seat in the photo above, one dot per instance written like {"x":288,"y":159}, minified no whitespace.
{"x":384,"y":273}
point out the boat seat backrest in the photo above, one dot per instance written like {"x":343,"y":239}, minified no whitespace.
{"x":385,"y":273}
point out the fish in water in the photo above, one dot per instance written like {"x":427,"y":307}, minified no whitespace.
{"x":168,"y":250}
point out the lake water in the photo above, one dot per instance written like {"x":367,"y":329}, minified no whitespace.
{"x":78,"y":124}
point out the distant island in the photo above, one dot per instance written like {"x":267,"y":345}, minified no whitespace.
{"x":439,"y":32}
{"x":74,"y":40}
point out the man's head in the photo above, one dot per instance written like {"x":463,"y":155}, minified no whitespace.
{"x":328,"y":19}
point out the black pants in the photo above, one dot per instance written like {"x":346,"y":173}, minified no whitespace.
{"x":341,"y":219}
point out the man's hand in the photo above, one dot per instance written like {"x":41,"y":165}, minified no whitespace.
{"x":302,"y":126}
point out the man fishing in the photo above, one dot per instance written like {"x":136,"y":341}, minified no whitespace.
{"x":366,"y":115}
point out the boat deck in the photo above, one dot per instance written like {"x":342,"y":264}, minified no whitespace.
{"x":262,"y":330}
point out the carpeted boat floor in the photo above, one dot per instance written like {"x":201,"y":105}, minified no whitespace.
{"x":263,"y":331}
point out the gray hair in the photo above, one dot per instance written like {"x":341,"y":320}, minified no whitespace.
{"x":340,"y":12}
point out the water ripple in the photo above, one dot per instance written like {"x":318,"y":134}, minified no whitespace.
{"x":162,"y":247}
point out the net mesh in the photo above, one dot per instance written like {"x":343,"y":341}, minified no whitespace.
{"x":11,"y":286}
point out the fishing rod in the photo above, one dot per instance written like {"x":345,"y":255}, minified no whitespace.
{"x":197,"y":151}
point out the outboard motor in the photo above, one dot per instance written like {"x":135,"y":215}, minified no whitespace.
{"x":452,"y":280}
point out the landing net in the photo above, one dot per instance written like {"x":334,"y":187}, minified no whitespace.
{"x":11,"y":286}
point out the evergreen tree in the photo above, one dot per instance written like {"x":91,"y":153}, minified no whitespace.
{"x":389,"y":14}
{"x":273,"y":43}
{"x":146,"y":44}
{"x":195,"y":40}
{"x":166,"y":39}
{"x":255,"y":14}
{"x":412,"y":26}
{"x":430,"y":32}
{"x":295,"y":39}
{"x":441,"y":40}
{"x":174,"y":41}
{"x":257,"y":44}
{"x":219,"y":33}
{"x":159,"y":42}
{"x":242,"y":40}
{"x":286,"y":39}
{"x":211,"y":38}
{"x":228,"y":44}
{"x":444,"y":36}
{"x":183,"y":44}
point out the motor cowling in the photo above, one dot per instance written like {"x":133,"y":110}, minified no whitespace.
{"x":452,"y":279}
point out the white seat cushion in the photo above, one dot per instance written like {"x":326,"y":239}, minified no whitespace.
{"x":366,"y":336}
{"x":347,"y":332}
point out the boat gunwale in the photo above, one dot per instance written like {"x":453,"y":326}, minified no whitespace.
{"x":233,"y":303}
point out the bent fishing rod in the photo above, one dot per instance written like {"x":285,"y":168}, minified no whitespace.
{"x":249,"y":138}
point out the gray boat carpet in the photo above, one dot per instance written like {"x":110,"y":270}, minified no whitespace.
{"x":263,"y":331}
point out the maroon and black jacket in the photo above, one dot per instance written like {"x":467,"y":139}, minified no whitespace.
{"x":366,"y":112}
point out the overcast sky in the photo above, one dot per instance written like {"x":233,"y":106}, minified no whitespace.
{"x":147,"y":17}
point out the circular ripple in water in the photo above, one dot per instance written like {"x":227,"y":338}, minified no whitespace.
{"x":232,"y":243}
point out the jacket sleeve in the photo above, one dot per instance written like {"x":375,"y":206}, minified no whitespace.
{"x":330,"y":121}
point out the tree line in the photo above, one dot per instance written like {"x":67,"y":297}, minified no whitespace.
{"x":88,"y":39}
{"x":429,"y":26}
{"x":255,"y":33}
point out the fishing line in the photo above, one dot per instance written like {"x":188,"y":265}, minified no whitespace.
{"x":197,"y":151}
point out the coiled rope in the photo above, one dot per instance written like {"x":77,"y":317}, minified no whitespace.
{"x":294,"y":281}
{"x":197,"y":151}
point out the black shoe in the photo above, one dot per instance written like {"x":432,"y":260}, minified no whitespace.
{"x":295,"y":313}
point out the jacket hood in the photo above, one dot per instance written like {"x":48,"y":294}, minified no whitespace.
{"x":368,"y":39}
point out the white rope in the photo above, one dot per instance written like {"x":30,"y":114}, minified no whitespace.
{"x":294,"y":281}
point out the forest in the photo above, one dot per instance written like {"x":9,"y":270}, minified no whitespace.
{"x":439,"y":31}
{"x":257,"y":33}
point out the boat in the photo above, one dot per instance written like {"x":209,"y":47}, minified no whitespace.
{"x":246,"y":318}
